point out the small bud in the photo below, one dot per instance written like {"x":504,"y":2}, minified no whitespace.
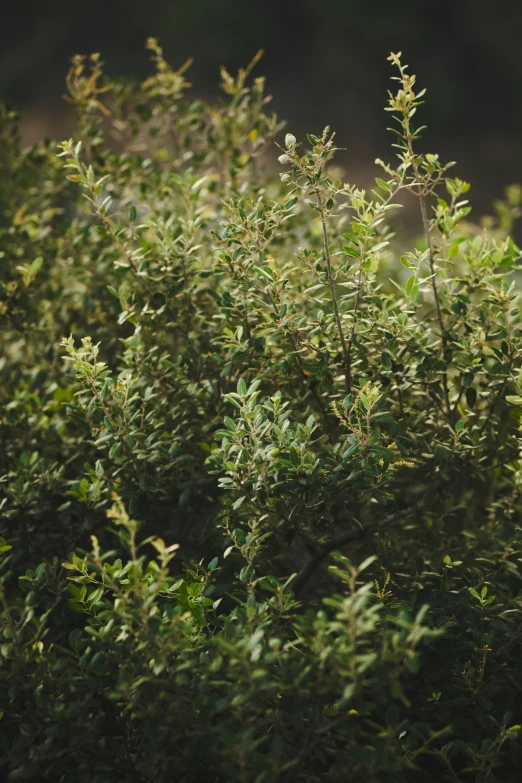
{"x":284,"y":159}
{"x":275,"y":453}
{"x":290,"y":140}
{"x":285,"y":178}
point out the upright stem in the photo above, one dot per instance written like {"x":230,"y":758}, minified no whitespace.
{"x":118,"y":434}
{"x":293,"y":343}
{"x":333,"y":295}
{"x":426,"y":227}
{"x":352,"y":333}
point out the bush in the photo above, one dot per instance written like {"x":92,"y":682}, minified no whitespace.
{"x":260,"y":510}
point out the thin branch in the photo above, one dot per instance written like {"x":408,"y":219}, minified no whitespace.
{"x":324,"y":548}
{"x":352,"y":333}
{"x":331,"y":283}
{"x":360,"y":286}
{"x":295,"y":347}
{"x":431,"y":257}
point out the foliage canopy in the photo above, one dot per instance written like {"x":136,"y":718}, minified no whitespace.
{"x":261,"y":464}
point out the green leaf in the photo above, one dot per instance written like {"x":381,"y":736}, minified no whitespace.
{"x":384,"y":185}
{"x":407,"y":263}
{"x":246,"y":574}
{"x":315,"y":287}
{"x":471,"y":396}
{"x":514,"y":399}
{"x":412,"y":287}
{"x":351,"y":251}
{"x":366,"y":563}
{"x":265,"y":272}
{"x":383,"y":417}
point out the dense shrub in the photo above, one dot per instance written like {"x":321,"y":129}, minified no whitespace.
{"x":259,"y":510}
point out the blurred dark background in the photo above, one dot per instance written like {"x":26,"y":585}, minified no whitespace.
{"x":325,"y":62}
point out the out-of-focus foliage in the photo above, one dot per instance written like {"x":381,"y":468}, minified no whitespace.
{"x":260,"y":472}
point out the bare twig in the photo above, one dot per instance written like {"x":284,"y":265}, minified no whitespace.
{"x":324,"y":548}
